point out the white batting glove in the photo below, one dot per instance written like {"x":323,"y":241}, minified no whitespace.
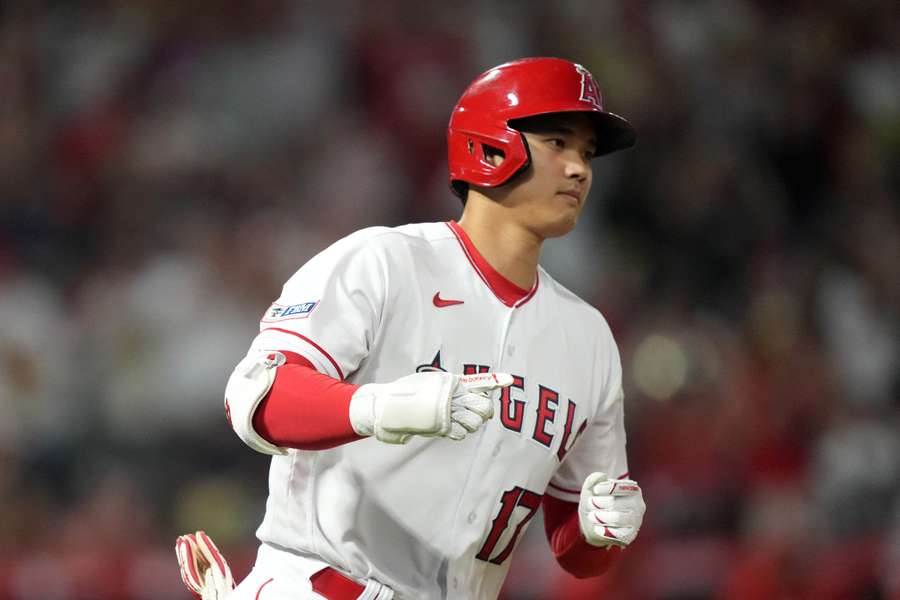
{"x":610,"y":510}
{"x":432,"y":403}
{"x":204,"y":570}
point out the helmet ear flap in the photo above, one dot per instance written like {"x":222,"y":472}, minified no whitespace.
{"x":511,"y":166}
{"x":488,"y":154}
{"x":527,"y":162}
{"x":475,"y":156}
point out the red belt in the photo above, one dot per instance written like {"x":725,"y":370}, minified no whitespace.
{"x":334,"y":586}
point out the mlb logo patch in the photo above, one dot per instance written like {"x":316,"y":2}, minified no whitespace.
{"x":280,"y":312}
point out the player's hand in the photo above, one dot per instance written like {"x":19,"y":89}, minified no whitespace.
{"x":610,"y":510}
{"x":203,"y":568}
{"x":432,"y":403}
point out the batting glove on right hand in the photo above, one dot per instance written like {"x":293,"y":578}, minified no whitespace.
{"x":204,"y":570}
{"x":610,"y":511}
{"x":432,"y":403}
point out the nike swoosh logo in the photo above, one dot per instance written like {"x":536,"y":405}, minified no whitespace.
{"x":441,"y":303}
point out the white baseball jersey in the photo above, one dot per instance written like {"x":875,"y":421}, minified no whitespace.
{"x":435,"y":518}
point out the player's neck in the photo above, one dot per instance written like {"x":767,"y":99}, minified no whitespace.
{"x":510,"y":249}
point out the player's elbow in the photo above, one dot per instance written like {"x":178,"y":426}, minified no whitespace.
{"x":248,"y":385}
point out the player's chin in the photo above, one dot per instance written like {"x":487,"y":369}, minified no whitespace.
{"x":561,"y":225}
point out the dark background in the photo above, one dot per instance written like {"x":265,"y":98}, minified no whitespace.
{"x":165,"y":166}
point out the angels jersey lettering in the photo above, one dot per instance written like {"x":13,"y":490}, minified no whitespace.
{"x":389,"y":301}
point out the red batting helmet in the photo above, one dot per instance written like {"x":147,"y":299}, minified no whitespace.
{"x":515,"y":90}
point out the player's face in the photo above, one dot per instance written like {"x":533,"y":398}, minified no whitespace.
{"x":550,"y":195}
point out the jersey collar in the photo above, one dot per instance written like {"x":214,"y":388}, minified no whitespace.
{"x":505,"y":290}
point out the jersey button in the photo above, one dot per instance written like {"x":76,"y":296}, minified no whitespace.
{"x":510,"y":350}
{"x":496,"y":450}
{"x":472,"y":517}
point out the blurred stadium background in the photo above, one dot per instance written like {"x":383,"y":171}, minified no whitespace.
{"x":165,"y":166}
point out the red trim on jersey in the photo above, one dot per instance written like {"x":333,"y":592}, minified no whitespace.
{"x":333,"y":585}
{"x":571,"y":550}
{"x":267,"y":582}
{"x":312,"y":343}
{"x":505,"y":290}
{"x":305,"y":409}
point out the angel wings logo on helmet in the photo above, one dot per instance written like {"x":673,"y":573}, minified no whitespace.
{"x":590,"y":91}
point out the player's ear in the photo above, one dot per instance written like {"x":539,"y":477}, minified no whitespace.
{"x":493,"y":155}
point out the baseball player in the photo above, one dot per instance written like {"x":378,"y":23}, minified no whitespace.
{"x":424,"y":390}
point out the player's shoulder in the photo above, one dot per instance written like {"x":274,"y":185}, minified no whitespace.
{"x":400,"y":234}
{"x":414,"y":233}
{"x":577,"y":310}
{"x":377,"y":249}
{"x":388,"y":239}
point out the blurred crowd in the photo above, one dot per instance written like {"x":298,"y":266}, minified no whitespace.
{"x":165,"y":166}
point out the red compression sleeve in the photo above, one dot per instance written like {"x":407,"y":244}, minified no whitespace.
{"x":305,"y":409}
{"x":569,"y":547}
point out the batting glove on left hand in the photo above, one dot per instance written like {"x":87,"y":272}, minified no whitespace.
{"x":203,"y":568}
{"x":610,"y":510}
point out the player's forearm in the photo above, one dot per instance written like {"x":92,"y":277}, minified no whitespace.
{"x":305,"y":409}
{"x":276,"y":400}
{"x":569,"y":547}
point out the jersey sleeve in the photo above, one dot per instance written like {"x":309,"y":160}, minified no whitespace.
{"x":600,"y":446}
{"x":330,"y":310}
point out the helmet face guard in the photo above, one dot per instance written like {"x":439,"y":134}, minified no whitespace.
{"x":524,"y":88}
